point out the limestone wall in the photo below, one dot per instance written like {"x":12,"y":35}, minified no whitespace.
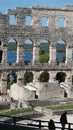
{"x":21,"y":93}
{"x":49,"y":90}
{"x":52,"y":32}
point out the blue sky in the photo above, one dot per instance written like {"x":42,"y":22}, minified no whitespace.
{"x":12,"y":4}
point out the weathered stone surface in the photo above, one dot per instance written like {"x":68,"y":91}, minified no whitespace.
{"x":36,"y":33}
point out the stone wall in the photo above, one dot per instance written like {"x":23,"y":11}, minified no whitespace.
{"x":21,"y":93}
{"x":52,"y":32}
{"x":49,"y":90}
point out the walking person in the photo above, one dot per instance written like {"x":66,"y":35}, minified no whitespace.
{"x":51,"y":125}
{"x":63,"y":119}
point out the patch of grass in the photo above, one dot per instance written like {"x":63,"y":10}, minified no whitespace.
{"x":16,"y":112}
{"x":60,"y":107}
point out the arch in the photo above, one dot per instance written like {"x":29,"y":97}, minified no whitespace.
{"x":44,"y":51}
{"x":0,"y":43}
{"x":11,"y":50}
{"x":28,"y":51}
{"x":44,"y":77}
{"x":65,"y":94}
{"x":28,"y":77}
{"x":11,"y":78}
{"x":61,"y":51}
{"x":1,"y":51}
{"x":61,"y":76}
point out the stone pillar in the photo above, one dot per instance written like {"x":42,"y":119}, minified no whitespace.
{"x":4,"y":83}
{"x":68,"y":54}
{"x":52,"y":59}
{"x":36,"y":20}
{"x":68,"y":78}
{"x":52,"y":22}
{"x":52,"y":77}
{"x":20,"y":78}
{"x":20,"y":53}
{"x":20,"y":19}
{"x":4,"y":54}
{"x":68,"y":81}
{"x":36,"y":51}
{"x":36,"y":76}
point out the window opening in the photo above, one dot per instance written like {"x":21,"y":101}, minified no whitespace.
{"x":60,"y":51}
{"x":61,"y":22}
{"x":28,"y":51}
{"x":28,"y":20}
{"x":11,"y":51}
{"x":12,"y":19}
{"x":44,"y":51}
{"x":44,"y":21}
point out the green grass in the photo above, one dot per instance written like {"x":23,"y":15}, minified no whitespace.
{"x":16,"y":112}
{"x":60,"y":107}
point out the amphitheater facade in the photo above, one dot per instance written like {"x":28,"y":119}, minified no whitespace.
{"x":37,"y":31}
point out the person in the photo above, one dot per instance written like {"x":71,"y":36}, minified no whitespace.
{"x":63,"y":119}
{"x":14,"y":120}
{"x":51,"y":125}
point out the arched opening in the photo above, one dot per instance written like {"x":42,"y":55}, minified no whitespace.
{"x":60,"y":51}
{"x":28,"y":51}
{"x":11,"y":51}
{"x":1,"y":51}
{"x":11,"y":78}
{"x":61,"y":76}
{"x":44,"y":77}
{"x":1,"y":55}
{"x":28,"y":77}
{"x":44,"y":51}
{"x":0,"y":43}
{"x":72,"y":54}
{"x":65,"y":94}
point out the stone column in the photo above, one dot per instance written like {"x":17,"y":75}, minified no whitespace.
{"x":4,"y":54}
{"x":20,"y":78}
{"x":52,"y":59}
{"x":68,"y":54}
{"x":20,"y":53}
{"x":68,"y":81}
{"x":36,"y":19}
{"x":52,"y":77}
{"x":68,"y":78}
{"x":36,"y":77}
{"x":36,"y":51}
{"x":20,"y":19}
{"x":4,"y":83}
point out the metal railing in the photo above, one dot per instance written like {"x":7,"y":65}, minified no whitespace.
{"x":39,"y":124}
